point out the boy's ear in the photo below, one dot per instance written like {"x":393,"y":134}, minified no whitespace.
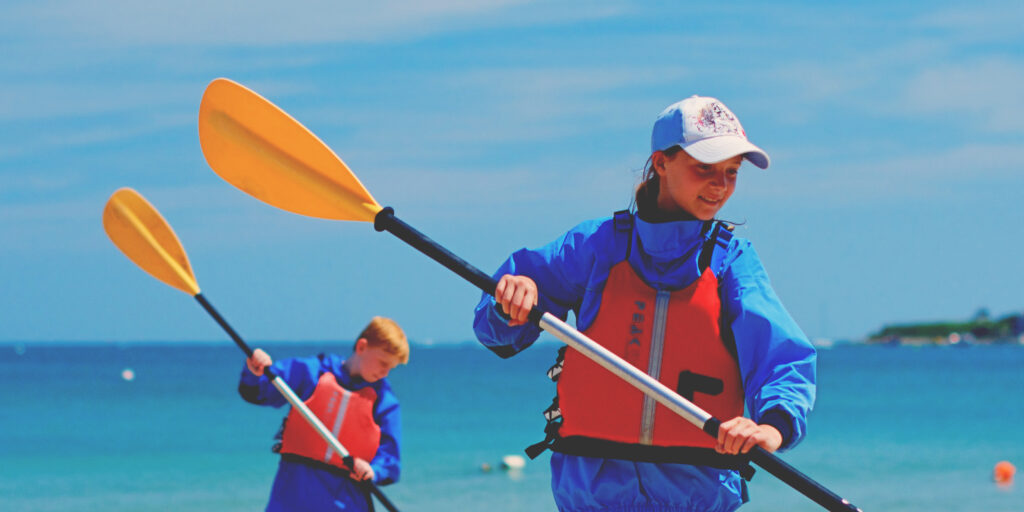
{"x":361,"y":345}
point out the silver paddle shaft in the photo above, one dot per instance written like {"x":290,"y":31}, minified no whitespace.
{"x":317,"y":425}
{"x":627,"y":372}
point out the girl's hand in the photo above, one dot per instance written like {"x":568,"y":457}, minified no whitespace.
{"x":258,"y":362}
{"x":517,"y":296}
{"x":740,"y":434}
{"x":361,"y":470}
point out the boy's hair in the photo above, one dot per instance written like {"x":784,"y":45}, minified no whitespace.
{"x":385,"y":334}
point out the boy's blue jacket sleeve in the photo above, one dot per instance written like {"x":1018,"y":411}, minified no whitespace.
{"x":387,"y":463}
{"x":302,"y":375}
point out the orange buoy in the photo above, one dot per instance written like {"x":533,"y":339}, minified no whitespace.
{"x":1003,"y":472}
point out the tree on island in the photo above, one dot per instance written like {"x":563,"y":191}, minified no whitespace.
{"x":981,"y":327}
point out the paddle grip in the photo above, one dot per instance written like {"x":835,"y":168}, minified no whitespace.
{"x":799,"y":481}
{"x":224,"y":324}
{"x":381,"y":498}
{"x":386,"y":221}
{"x":788,"y":474}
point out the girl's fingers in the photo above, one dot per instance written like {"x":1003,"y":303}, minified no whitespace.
{"x":517,"y":295}
{"x":736,"y":435}
{"x":499,"y":291}
{"x":505,"y":297}
{"x":750,"y":443}
{"x":520,"y":307}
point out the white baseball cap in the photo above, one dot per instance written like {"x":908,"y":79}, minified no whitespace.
{"x":707,"y":130}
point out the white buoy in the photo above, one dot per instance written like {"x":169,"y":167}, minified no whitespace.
{"x":128,"y":374}
{"x":513,"y":462}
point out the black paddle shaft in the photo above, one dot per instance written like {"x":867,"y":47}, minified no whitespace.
{"x":794,"y":478}
{"x":270,"y":374}
{"x":386,"y":221}
{"x":223,"y":324}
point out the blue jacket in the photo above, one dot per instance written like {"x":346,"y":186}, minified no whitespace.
{"x":300,"y":486}
{"x":776,"y":361}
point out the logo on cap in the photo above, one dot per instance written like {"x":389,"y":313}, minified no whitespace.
{"x":715,"y":119}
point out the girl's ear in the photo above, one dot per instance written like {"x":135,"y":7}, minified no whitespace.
{"x":658,"y":160}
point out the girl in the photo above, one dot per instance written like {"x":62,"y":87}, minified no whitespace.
{"x":670,"y":290}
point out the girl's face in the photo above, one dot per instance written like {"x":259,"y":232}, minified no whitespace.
{"x":695,"y":187}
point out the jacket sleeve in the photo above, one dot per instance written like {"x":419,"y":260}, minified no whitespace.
{"x":301,"y":374}
{"x":387,"y":464}
{"x":560,"y":269}
{"x":776,"y":359}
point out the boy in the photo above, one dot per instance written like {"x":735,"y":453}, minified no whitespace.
{"x":310,"y":476}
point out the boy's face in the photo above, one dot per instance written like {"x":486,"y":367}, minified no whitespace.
{"x":372,"y":363}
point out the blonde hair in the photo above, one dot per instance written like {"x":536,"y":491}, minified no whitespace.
{"x":385,"y":334}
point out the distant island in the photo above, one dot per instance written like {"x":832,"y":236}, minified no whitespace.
{"x":981,"y":329}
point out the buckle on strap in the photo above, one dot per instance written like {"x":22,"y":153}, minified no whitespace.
{"x":551,"y":434}
{"x":746,"y":471}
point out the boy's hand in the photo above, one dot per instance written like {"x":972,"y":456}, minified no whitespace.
{"x":258,"y":362}
{"x":740,"y":434}
{"x":517,"y":296}
{"x":361,"y":470}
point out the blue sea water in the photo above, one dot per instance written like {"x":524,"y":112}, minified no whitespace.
{"x":896,"y":429}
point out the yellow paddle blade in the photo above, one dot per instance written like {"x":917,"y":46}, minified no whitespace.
{"x":144,"y":237}
{"x":259,"y":148}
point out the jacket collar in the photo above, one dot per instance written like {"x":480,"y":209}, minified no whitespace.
{"x":670,"y":240}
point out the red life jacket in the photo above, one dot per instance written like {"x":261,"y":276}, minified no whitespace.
{"x":347,"y":414}
{"x":674,"y":337}
{"x":596,"y":414}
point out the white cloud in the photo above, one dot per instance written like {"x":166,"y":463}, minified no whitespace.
{"x":500,"y":106}
{"x":983,"y":95}
{"x":977,"y":21}
{"x":270,"y":22}
{"x":914,"y":174}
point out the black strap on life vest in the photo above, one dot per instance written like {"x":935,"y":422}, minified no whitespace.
{"x":590,"y":447}
{"x":553,"y":414}
{"x":622,"y":220}
{"x":721,"y":235}
{"x":694,"y":456}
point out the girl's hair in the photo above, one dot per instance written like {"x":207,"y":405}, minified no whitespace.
{"x":647,"y":191}
{"x":385,"y":334}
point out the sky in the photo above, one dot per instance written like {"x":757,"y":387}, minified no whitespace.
{"x":895,"y":131}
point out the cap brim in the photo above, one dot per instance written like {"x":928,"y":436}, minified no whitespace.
{"x":715,"y":149}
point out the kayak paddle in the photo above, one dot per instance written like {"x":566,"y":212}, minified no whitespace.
{"x":142,"y":234}
{"x":260,"y":149}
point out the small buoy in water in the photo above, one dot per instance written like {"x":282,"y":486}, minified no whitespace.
{"x":513,"y":462}
{"x":128,"y":374}
{"x":1003,"y":472}
{"x":485,"y":467}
